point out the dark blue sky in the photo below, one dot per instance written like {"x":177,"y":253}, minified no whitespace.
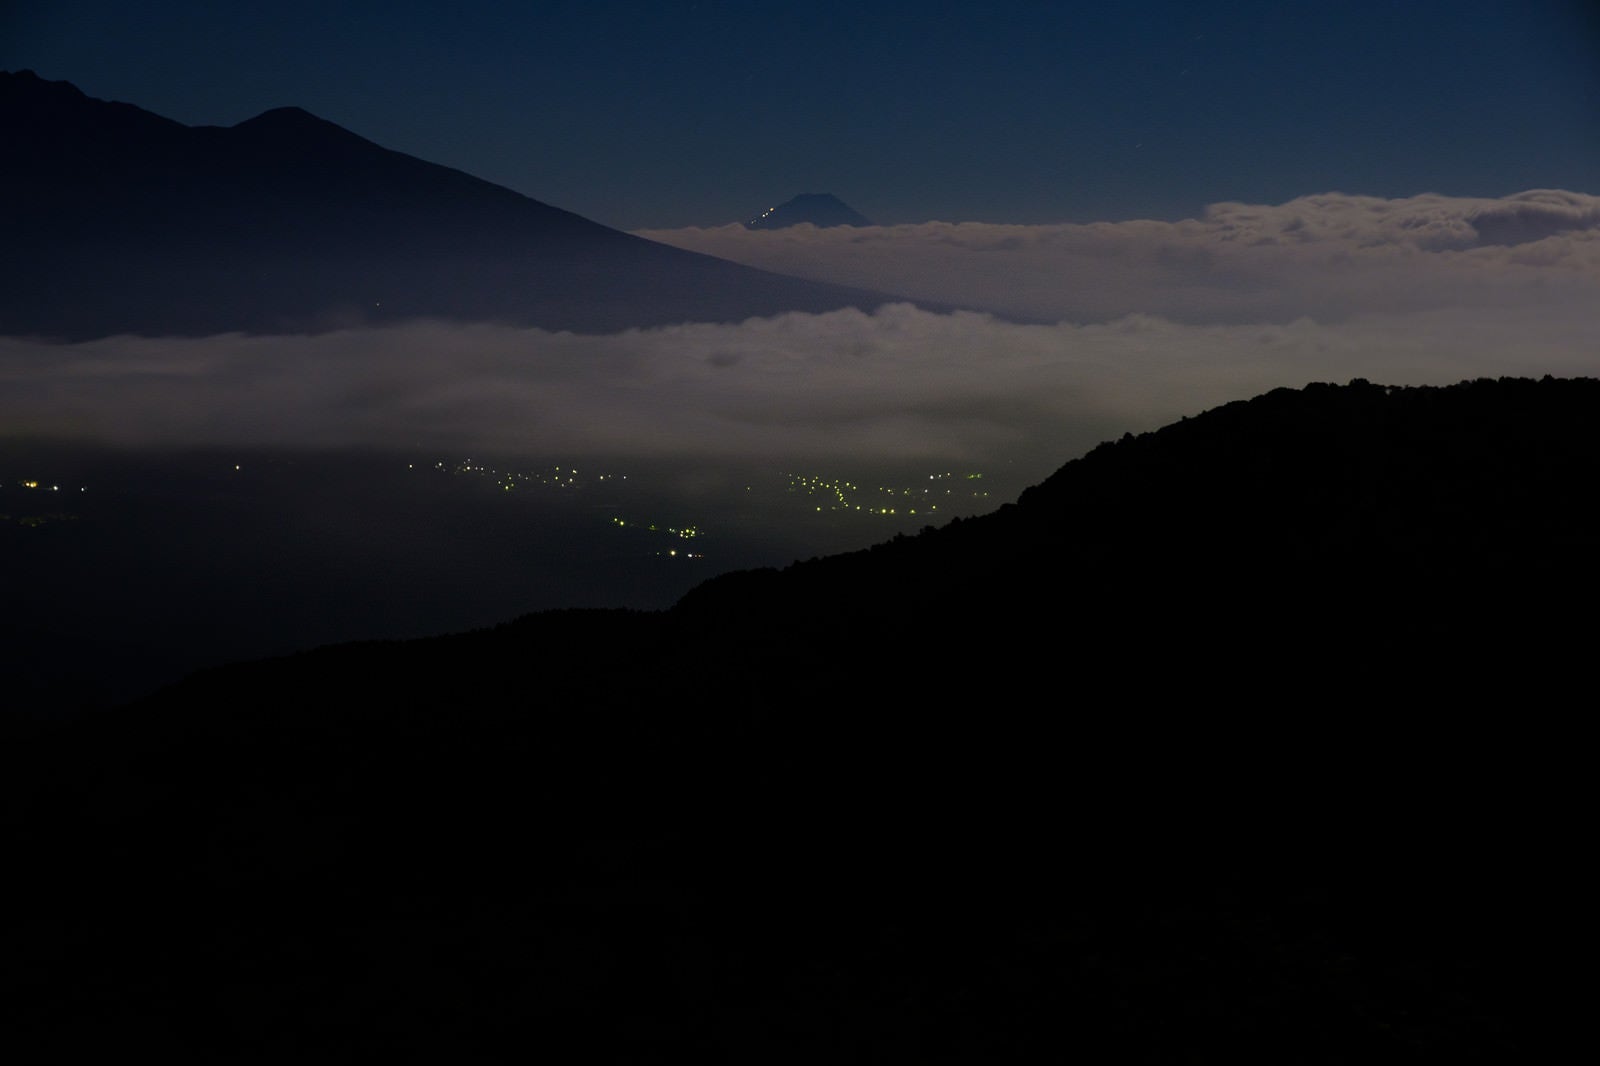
{"x":668,"y":114}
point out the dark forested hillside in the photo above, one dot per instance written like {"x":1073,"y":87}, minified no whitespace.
{"x":1252,"y":740}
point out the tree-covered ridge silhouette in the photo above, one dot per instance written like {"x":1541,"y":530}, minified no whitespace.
{"x":1254,"y":739}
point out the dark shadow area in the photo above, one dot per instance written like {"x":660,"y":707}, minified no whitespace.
{"x":1256,"y":739}
{"x":129,"y":568}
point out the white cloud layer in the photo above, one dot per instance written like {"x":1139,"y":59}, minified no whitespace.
{"x":1134,"y":324}
{"x":1327,"y":257}
{"x":854,"y":389}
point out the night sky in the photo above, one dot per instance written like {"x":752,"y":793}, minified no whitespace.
{"x":661,"y":115}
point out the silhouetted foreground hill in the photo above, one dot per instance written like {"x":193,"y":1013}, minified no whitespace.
{"x":284,"y":223}
{"x":1252,"y":740}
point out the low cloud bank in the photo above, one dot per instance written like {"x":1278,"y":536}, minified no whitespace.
{"x":1133,"y":324}
{"x":897,"y":385}
{"x":1328,"y":257}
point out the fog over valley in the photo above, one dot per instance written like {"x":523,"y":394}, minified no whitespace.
{"x":1125,"y":326}
{"x":712,"y":422}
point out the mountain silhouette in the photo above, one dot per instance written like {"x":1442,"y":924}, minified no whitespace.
{"x":821,"y":209}
{"x":1250,"y":740}
{"x":287,"y":222}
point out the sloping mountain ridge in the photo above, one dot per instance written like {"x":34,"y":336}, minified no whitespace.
{"x":287,"y":222}
{"x":1249,"y":740}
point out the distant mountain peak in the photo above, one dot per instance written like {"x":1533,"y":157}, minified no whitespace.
{"x":301,"y":126}
{"x":288,"y":222}
{"x":22,"y":85}
{"x":28,"y":75}
{"x":821,"y":209}
{"x":283,"y":114}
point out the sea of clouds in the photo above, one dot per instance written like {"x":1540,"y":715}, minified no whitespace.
{"x":1076,"y":333}
{"x":1325,"y":257}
